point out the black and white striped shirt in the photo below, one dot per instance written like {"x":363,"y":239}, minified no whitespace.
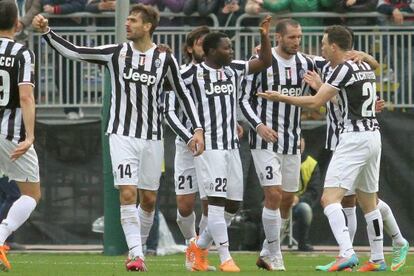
{"x":333,"y":112}
{"x":175,"y":116}
{"x":357,"y":96}
{"x":16,"y":68}
{"x":285,"y":76}
{"x":215,"y":92}
{"x":137,"y":84}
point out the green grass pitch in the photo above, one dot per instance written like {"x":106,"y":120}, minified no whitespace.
{"x":97,"y":264}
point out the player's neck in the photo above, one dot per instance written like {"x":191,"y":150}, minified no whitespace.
{"x":338,"y":59}
{"x":143,"y":45}
{"x":7,"y":34}
{"x":283,"y":54}
{"x":212,"y":64}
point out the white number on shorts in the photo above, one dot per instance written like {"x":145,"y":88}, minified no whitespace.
{"x":368,"y":107}
{"x":221,"y":185}
{"x":181,"y":181}
{"x":125,"y":172}
{"x":269,"y":174}
{"x":4,"y":88}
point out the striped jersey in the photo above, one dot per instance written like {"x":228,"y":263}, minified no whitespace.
{"x":16,"y":68}
{"x":357,"y":96}
{"x":175,"y":117}
{"x":285,"y":76}
{"x":215,"y":94}
{"x":137,"y":80}
{"x":333,"y":112}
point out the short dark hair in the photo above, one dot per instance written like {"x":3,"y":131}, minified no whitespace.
{"x":8,"y":14}
{"x":212,"y":40}
{"x":351,"y":32}
{"x":281,"y":25}
{"x":192,"y":37}
{"x":148,"y":14}
{"x":339,"y":35}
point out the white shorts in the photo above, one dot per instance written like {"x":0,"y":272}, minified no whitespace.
{"x":220,"y":173}
{"x":24,"y":169}
{"x":277,"y":169}
{"x":136,"y":161}
{"x":185,"y":177}
{"x":355,"y":163}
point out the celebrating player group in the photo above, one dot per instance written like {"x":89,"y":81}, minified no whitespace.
{"x":199,"y":101}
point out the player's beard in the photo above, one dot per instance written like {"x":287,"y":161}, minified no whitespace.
{"x":198,"y":58}
{"x":289,"y":51}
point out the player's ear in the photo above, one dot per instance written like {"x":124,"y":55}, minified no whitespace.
{"x":147,"y":26}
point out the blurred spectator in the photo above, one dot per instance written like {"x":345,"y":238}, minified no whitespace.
{"x":172,"y":5}
{"x":68,"y":78}
{"x":394,"y":9}
{"x":350,"y":6}
{"x":230,"y":6}
{"x":31,"y":8}
{"x":97,"y":6}
{"x":306,"y":199}
{"x":254,"y":7}
{"x":203,"y":7}
{"x":295,"y":6}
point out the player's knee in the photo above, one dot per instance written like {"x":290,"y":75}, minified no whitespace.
{"x":287,"y":201}
{"x":128,"y":196}
{"x":325,"y":200}
{"x":348,"y":201}
{"x":185,"y":209}
{"x":273,"y":195}
{"x":148,"y":201}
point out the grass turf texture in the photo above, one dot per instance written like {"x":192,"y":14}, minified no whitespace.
{"x":96,"y":264}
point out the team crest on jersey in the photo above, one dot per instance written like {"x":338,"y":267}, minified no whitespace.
{"x":200,"y":75}
{"x":157,"y":63}
{"x":301,"y":73}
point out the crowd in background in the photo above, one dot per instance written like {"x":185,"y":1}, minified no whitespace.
{"x":222,"y":8}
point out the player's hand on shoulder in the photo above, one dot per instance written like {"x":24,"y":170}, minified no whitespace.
{"x":355,"y":56}
{"x":164,"y":48}
{"x":40,"y":23}
{"x":379,"y":105}
{"x":313,"y":79}
{"x":268,"y":134}
{"x":21,"y":148}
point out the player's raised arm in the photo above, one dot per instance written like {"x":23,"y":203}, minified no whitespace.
{"x":265,"y":54}
{"x":100,"y":55}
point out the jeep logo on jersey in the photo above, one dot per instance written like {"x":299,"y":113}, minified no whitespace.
{"x":143,"y":77}
{"x":219,"y":88}
{"x":289,"y":90}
